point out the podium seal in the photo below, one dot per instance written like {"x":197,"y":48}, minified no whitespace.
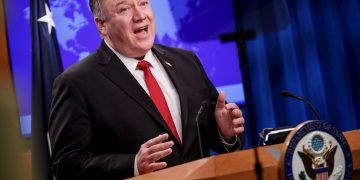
{"x":316,"y":150}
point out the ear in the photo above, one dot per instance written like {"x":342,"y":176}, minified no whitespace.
{"x":101,"y":26}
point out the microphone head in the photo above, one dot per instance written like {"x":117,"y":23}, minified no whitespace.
{"x":286,"y":93}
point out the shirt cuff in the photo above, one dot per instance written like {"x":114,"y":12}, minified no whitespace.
{"x":227,"y":144}
{"x":136,"y":171}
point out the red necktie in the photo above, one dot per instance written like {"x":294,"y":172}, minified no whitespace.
{"x":158,"y":97}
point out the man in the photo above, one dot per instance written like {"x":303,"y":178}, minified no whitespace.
{"x":115,"y":115}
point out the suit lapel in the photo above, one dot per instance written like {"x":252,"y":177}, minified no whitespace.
{"x":170,"y":65}
{"x":117,"y":72}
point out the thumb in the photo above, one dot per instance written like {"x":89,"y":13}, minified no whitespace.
{"x":220,"y":101}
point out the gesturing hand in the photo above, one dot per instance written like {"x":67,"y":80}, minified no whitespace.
{"x":229,"y":118}
{"x":151,"y":151}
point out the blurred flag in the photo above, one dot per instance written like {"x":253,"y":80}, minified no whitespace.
{"x":46,"y":65}
{"x":10,"y":141}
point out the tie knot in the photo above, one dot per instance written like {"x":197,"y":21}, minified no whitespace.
{"x":143,"y":65}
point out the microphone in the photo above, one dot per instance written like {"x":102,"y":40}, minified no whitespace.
{"x":287,"y":94}
{"x":201,"y":109}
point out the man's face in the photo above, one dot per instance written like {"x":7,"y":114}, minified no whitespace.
{"x":129,"y":26}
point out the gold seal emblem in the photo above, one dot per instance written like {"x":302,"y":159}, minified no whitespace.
{"x":318,"y":157}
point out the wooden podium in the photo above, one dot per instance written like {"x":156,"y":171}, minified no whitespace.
{"x":240,"y":164}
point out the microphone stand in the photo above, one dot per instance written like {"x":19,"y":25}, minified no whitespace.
{"x":239,"y":37}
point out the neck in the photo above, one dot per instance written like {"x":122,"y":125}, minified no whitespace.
{"x":111,"y":46}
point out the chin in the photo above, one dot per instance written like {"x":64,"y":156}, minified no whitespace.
{"x":146,"y":46}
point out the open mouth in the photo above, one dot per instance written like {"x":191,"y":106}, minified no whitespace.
{"x":141,"y":29}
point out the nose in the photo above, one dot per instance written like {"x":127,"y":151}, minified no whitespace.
{"x":139,"y":14}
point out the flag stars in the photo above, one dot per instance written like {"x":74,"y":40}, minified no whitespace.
{"x":47,"y":18}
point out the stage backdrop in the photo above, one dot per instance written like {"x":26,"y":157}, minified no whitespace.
{"x":308,"y":47}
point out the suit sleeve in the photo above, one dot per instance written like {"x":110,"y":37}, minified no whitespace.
{"x":215,"y":141}
{"x":70,"y":130}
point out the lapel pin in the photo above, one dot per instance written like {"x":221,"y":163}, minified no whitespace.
{"x":167,"y":63}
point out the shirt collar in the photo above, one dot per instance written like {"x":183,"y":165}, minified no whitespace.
{"x":131,"y":63}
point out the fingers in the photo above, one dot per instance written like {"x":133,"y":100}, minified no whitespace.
{"x":159,"y":151}
{"x":155,"y":166}
{"x":231,"y":106}
{"x":239,"y":130}
{"x":238,"y":125}
{"x":238,"y":119}
{"x":221,"y":100}
{"x":152,"y":165}
{"x":159,"y":155}
{"x":152,"y":151}
{"x":156,"y":140}
{"x":238,"y":122}
{"x":235,"y":112}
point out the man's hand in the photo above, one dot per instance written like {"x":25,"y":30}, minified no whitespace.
{"x":229,"y":118}
{"x":151,"y":151}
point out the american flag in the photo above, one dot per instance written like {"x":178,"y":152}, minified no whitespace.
{"x":321,"y":173}
{"x":46,"y":65}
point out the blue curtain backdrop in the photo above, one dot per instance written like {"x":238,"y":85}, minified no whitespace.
{"x":310,"y":48}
